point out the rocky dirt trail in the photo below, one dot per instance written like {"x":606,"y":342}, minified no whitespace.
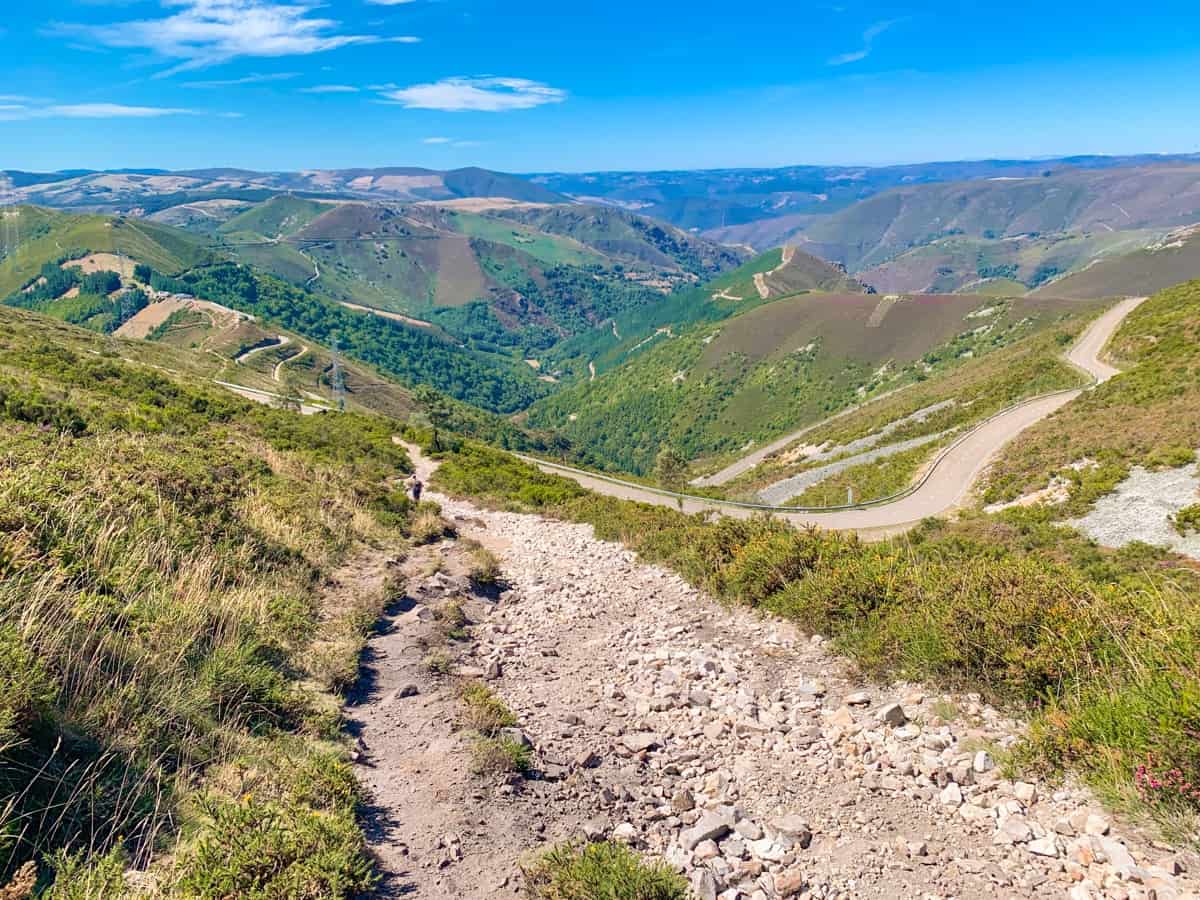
{"x":738,"y":749}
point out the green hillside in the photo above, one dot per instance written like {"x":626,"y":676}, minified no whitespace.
{"x":46,"y":235}
{"x":412,"y":355}
{"x":521,"y":277}
{"x":1149,"y":415}
{"x":169,"y":615}
{"x":1007,"y":266}
{"x":715,"y":386}
{"x":1171,"y":260}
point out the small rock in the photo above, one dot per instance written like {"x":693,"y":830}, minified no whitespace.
{"x":842,"y":718}
{"x":1025,"y":792}
{"x":704,"y":885}
{"x":1097,"y":825}
{"x":951,"y":795}
{"x":712,"y":825}
{"x":408,"y":690}
{"x":789,"y":883}
{"x":1043,"y":847}
{"x":983,"y":762}
{"x":893,"y":715}
{"x":858,"y":698}
{"x":625,"y":833}
{"x":683,"y":801}
{"x":587,"y":759}
{"x":751,"y":831}
{"x":641,"y":741}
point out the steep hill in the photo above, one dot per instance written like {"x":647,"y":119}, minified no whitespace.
{"x":714,"y":386}
{"x":1002,"y":266}
{"x":517,"y":276}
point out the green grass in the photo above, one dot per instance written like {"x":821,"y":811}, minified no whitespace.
{"x":980,"y":387}
{"x":1187,"y":520}
{"x":546,"y":248}
{"x":603,"y":871}
{"x":167,"y":663}
{"x":1099,"y":647}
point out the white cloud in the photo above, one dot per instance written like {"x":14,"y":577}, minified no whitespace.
{"x":91,"y":111}
{"x":449,"y":142}
{"x":489,"y":94}
{"x":207,"y":32}
{"x":868,"y":38}
{"x":330,"y":89}
{"x":248,"y":79}
{"x":389,"y":2}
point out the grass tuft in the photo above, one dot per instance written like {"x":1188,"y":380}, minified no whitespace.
{"x":603,"y":871}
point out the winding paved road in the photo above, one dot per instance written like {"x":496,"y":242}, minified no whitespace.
{"x":948,"y":482}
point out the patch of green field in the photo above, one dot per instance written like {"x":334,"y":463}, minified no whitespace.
{"x":547,"y":248}
{"x":277,"y":217}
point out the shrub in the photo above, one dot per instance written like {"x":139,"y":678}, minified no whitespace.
{"x":439,"y":663}
{"x":499,"y":756}
{"x":484,"y":570}
{"x":275,"y":851}
{"x":1187,"y":520}
{"x":603,"y":871}
{"x":428,"y":526}
{"x":484,"y":711}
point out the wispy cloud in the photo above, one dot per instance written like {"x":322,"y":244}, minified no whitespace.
{"x":207,"y":32}
{"x":90,"y":111}
{"x":487,"y":94}
{"x":868,"y":43}
{"x":330,"y":89}
{"x":247,"y":79}
{"x":449,"y":142}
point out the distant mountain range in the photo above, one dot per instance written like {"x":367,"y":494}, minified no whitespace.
{"x":991,"y":226}
{"x":151,"y":190}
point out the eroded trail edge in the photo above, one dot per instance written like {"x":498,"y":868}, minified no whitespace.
{"x":746,"y":754}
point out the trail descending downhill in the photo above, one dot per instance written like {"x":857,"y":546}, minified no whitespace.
{"x":743,"y":752}
{"x":946,"y":483}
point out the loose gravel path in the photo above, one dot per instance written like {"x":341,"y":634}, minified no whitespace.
{"x":740,"y":750}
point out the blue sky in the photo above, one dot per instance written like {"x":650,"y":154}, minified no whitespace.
{"x":289,"y":84}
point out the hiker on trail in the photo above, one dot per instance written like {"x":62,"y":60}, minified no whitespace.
{"x":412,"y":485}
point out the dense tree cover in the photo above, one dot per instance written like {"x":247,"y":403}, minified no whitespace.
{"x":412,"y":355}
{"x":100,"y":283}
{"x":91,"y":307}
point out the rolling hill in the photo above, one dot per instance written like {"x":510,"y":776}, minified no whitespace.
{"x":713,"y":385}
{"x":186,"y":265}
{"x":714,"y":199}
{"x":495,"y":275}
{"x":1173,"y":259}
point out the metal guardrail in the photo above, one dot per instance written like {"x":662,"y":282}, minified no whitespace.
{"x":866,"y":504}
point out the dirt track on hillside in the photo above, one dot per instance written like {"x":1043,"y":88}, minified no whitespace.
{"x":953,"y":476}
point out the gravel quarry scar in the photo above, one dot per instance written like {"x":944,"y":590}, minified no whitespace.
{"x":742,"y":752}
